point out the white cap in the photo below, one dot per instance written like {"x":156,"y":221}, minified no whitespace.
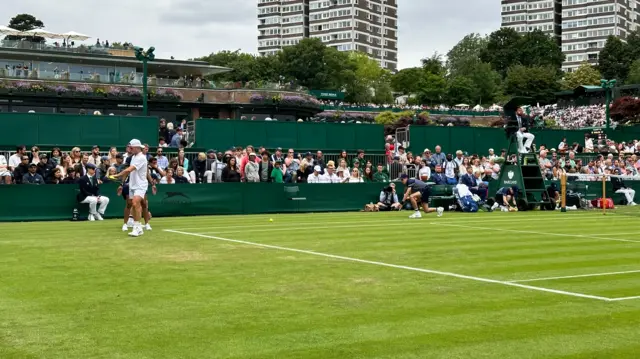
{"x":317,"y":169}
{"x":252,"y":154}
{"x":136,"y":143}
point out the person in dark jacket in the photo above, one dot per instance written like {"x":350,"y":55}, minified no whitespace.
{"x":21,"y":169}
{"x":200,"y":167}
{"x":32,"y":177}
{"x":231,"y":173}
{"x":71,"y":177}
{"x":438,"y":177}
{"x":44,"y":166}
{"x":55,"y":177}
{"x":90,"y":193}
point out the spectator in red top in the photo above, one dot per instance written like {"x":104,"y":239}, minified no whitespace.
{"x":245,"y":158}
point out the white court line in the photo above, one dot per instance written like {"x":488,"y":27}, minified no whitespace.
{"x":574,"y":276}
{"x":623,"y":298}
{"x":407,"y":223}
{"x":382,"y":264}
{"x":540,"y":233}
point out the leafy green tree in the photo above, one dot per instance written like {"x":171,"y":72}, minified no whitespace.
{"x":432,"y":89}
{"x":460,"y":90}
{"x":584,"y":75}
{"x":369,"y":77}
{"x":634,"y":73}
{"x":406,"y":81}
{"x":539,"y":82}
{"x":502,"y":50}
{"x":242,"y":64}
{"x":615,"y":59}
{"x":633,"y":43}
{"x":434,"y":65}
{"x":536,"y":48}
{"x":25,"y":22}
{"x":464,"y":57}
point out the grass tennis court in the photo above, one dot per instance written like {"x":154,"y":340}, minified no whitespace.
{"x":336,"y":285}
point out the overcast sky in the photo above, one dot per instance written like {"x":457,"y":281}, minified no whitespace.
{"x":190,"y":28}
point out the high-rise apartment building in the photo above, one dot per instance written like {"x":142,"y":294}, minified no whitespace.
{"x":581,"y":25}
{"x":369,"y":26}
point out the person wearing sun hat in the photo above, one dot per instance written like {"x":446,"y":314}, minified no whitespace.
{"x":330,"y":175}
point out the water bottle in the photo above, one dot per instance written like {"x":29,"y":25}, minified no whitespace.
{"x":74,"y":217}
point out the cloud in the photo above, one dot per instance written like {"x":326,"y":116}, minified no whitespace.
{"x":192,"y":28}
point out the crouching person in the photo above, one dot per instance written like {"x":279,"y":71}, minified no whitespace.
{"x":418,"y":191}
{"x":90,"y":193}
{"x":389,"y":199}
{"x":506,"y":199}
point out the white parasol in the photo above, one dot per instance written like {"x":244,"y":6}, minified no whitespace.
{"x":72,"y":35}
{"x":9,"y":31}
{"x":41,"y":33}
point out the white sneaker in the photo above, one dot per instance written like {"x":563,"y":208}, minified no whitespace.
{"x":137,"y":232}
{"x":440,"y":211}
{"x":147,"y":227}
{"x":98,"y":217}
{"x":130,"y":222}
{"x":504,"y":209}
{"x":91,"y":218}
{"x":633,"y":204}
{"x":125,"y":227}
{"x":495,"y":205}
{"x":416,"y":215}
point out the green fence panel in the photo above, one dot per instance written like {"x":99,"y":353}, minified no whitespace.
{"x":192,"y":199}
{"x":281,"y":134}
{"x":313,"y":136}
{"x":76,"y":130}
{"x":342,"y":136}
{"x":368,"y":137}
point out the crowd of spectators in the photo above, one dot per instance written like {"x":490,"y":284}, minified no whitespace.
{"x":574,"y":117}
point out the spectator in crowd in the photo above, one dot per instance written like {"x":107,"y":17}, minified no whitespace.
{"x":342,"y":166}
{"x":21,"y":169}
{"x":181,"y":177}
{"x":44,"y":167}
{"x":563,"y":147}
{"x":265,"y":167}
{"x":308,"y":160}
{"x":315,"y":176}
{"x":380,"y":175}
{"x":402,"y":156}
{"x":119,"y":163}
{"x":320,"y":160}
{"x":438,"y":177}
{"x":277,"y":174}
{"x":55,"y":177}
{"x":5,"y":173}
{"x":545,"y":165}
{"x":162,"y":143}
{"x":95,"y":158}
{"x":252,"y":169}
{"x":367,"y":176}
{"x":200,"y":168}
{"x":428,"y":158}
{"x":388,"y":200}
{"x":16,"y":159}
{"x":175,"y":140}
{"x":32,"y":176}
{"x":111,"y":171}
{"x":277,"y":156}
{"x":184,"y":163}
{"x":90,"y":193}
{"x":104,"y":166}
{"x":35,"y":155}
{"x":83,"y":164}
{"x":492,"y":154}
{"x":113,"y":152}
{"x":168,"y":178}
{"x":355,"y":177}
{"x":155,"y":171}
{"x":71,"y":176}
{"x":359,"y":158}
{"x":450,"y":168}
{"x":495,"y":169}
{"x":424,"y":172}
{"x":459,"y":158}
{"x":231,"y":173}
{"x":303,"y":172}
{"x":163,"y":161}
{"x":329,"y":175}
{"x":439,"y":157}
{"x":56,"y":156}
{"x":76,"y":155}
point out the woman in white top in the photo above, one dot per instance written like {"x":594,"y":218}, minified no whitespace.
{"x":424,"y":173}
{"x":355,"y":177}
{"x":5,"y":174}
{"x":168,"y":178}
{"x":342,"y":166}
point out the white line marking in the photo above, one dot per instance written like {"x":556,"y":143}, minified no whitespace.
{"x":574,"y":276}
{"x":284,"y":229}
{"x":540,"y":233}
{"x":382,"y":264}
{"x":623,"y":298}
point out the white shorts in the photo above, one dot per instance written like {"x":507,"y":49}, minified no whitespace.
{"x":137,"y":193}
{"x":5,"y":173}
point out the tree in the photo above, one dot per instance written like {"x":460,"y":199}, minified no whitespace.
{"x":539,"y":82}
{"x":433,"y":65}
{"x":502,"y":50}
{"x":406,"y":81}
{"x":463,"y":58}
{"x":460,"y":90}
{"x":584,"y":75}
{"x":432,"y":89}
{"x":312,"y":64}
{"x":536,"y":48}
{"x":25,"y":22}
{"x":633,"y":43}
{"x":615,"y":59}
{"x":369,"y":77}
{"x":486,"y":83}
{"x":242,"y":64}
{"x":634,"y":73}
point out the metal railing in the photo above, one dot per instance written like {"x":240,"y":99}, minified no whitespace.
{"x":41,"y":46}
{"x":398,"y":109}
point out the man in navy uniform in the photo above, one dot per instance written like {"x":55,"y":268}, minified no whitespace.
{"x":90,"y":193}
{"x":471,"y":182}
{"x":523,"y":136}
{"x":417,"y":190}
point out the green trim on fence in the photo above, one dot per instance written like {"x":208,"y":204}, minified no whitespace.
{"x":75,"y":130}
{"x":56,"y":202}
